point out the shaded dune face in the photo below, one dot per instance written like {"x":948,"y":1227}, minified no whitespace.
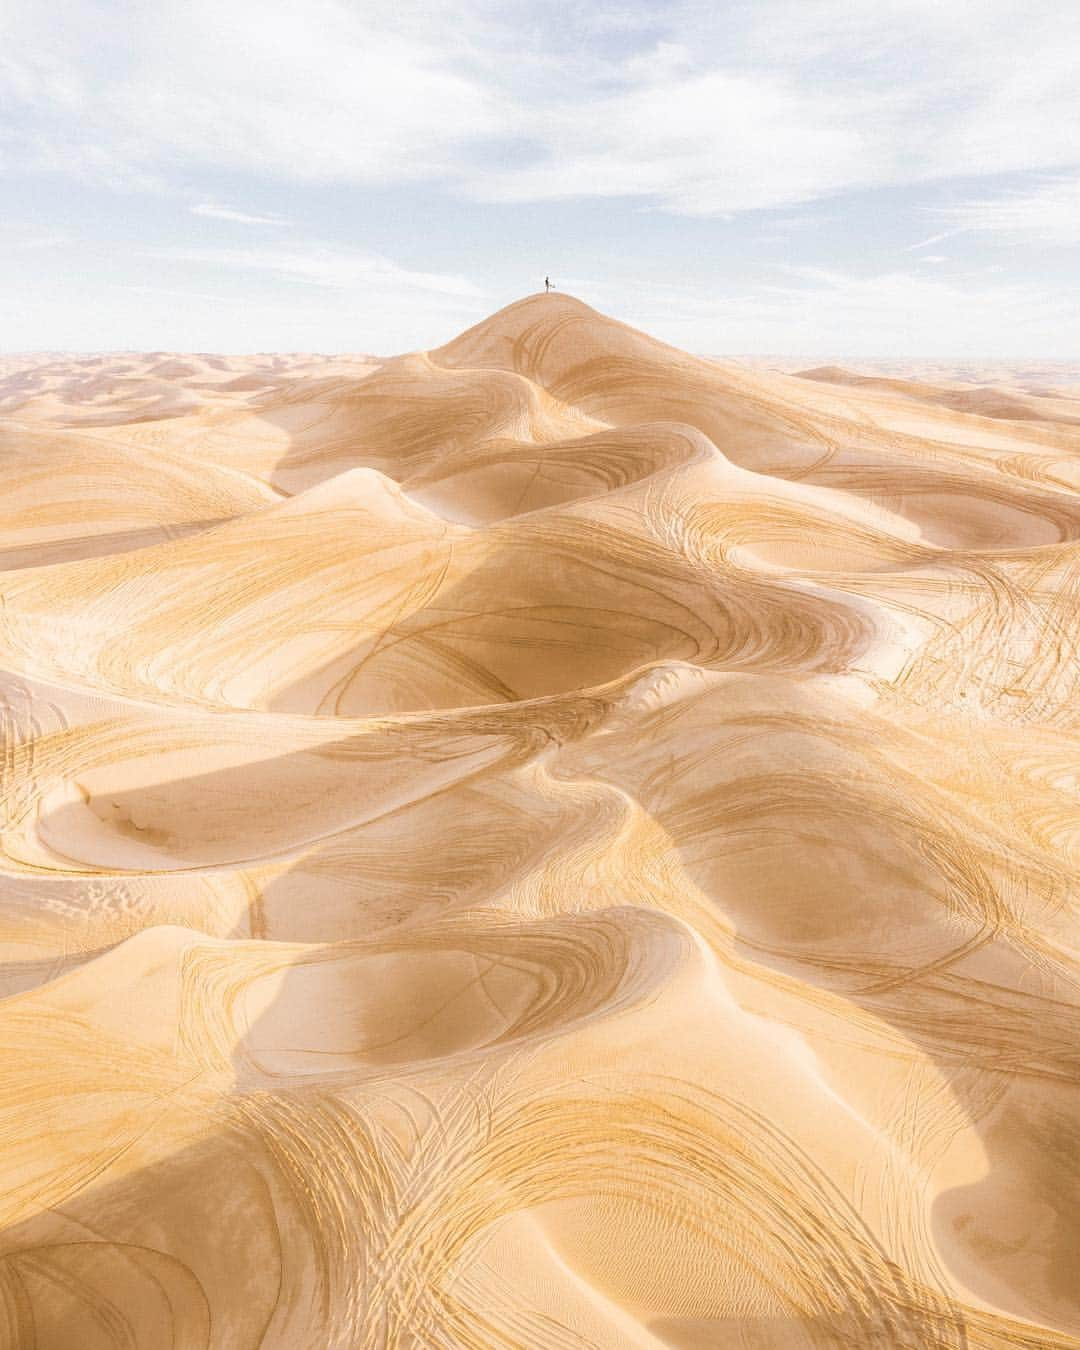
{"x":549,"y":842}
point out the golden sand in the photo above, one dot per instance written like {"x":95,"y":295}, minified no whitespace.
{"x":548,"y":842}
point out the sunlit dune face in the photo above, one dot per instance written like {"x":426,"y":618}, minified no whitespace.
{"x":551,"y":841}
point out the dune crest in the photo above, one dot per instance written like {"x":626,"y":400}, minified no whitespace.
{"x":547,"y":842}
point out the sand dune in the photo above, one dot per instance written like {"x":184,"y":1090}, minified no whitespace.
{"x":548,"y":842}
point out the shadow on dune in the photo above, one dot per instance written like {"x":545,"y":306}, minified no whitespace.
{"x":174,"y":1249}
{"x":99,"y":545}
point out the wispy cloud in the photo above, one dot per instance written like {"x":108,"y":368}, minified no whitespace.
{"x":711,"y":143}
{"x":48,"y":239}
{"x":325,"y":266}
{"x":173,"y":293}
{"x":828,"y":310}
{"x":1046,"y":213}
{"x":901,"y":313}
{"x":213,"y":211}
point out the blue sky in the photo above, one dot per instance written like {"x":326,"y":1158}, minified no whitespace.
{"x":895,"y":178}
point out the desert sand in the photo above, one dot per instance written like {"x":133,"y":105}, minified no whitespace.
{"x":547,"y":842}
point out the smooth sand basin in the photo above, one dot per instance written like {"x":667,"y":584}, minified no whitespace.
{"x":548,"y":842}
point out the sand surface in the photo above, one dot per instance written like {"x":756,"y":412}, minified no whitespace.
{"x":549,"y":842}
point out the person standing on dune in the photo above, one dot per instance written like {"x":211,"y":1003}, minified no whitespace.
{"x":547,"y":283}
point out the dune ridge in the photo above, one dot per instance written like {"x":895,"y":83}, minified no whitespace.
{"x":547,"y":842}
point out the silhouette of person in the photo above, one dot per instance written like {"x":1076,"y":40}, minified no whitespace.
{"x":547,"y":283}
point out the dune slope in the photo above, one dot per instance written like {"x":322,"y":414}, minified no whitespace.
{"x":547,"y":842}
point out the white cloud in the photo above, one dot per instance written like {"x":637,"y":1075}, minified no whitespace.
{"x":700,"y":110}
{"x":708,"y":144}
{"x":329,"y":91}
{"x":782,"y":101}
{"x":214,"y":212}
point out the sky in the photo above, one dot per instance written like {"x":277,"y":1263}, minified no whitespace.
{"x":821,"y":177}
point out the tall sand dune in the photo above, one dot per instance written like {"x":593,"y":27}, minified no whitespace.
{"x":549,"y":842}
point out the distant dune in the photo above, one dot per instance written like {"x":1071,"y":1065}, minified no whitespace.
{"x":548,"y":842}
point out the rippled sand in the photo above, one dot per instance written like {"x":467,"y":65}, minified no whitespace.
{"x":549,"y":842}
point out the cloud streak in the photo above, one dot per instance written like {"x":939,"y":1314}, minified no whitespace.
{"x":211,"y":211}
{"x":1046,"y":213}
